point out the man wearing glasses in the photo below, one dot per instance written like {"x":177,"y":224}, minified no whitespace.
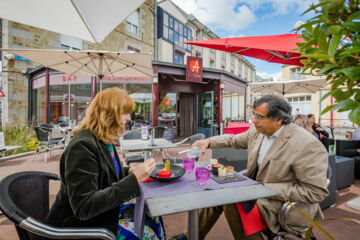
{"x":281,"y":156}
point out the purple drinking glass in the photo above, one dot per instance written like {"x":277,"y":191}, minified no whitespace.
{"x":189,"y":164}
{"x":202,"y":176}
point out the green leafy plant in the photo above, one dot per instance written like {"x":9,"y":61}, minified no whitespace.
{"x":20,"y":136}
{"x":316,"y":224}
{"x":332,"y":48}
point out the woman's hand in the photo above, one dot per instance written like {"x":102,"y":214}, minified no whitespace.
{"x":204,"y":144}
{"x":143,"y":171}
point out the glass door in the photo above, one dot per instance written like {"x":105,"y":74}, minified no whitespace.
{"x":205,"y":114}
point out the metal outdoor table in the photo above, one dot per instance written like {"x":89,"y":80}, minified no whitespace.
{"x":145,"y":145}
{"x":191,"y":202}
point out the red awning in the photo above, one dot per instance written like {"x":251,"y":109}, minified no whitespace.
{"x":275,"y":48}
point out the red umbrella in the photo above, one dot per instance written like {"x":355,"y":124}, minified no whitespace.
{"x":275,"y":48}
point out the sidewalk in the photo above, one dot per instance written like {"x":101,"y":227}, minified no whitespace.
{"x":176,"y":223}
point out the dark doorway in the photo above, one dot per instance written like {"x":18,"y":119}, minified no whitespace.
{"x":187,"y":113}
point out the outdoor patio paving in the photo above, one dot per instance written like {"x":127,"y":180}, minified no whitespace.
{"x":176,"y":223}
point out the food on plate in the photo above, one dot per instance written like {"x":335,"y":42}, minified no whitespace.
{"x":163,"y":173}
{"x":215,"y":167}
{"x":213,"y":160}
{"x":230,"y":170}
{"x":167,"y":164}
{"x":222,"y":171}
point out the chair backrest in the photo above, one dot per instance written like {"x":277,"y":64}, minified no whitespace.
{"x":159,"y":132}
{"x":24,"y":200}
{"x":64,"y":124}
{"x":47,"y":125}
{"x":24,"y":195}
{"x":196,"y":137}
{"x":343,"y":145}
{"x":42,"y":134}
{"x":132,"y":135}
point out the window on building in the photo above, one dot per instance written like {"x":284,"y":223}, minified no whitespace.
{"x":132,"y":23}
{"x":212,"y":58}
{"x":70,"y":43}
{"x":232,"y":63}
{"x":296,"y":73}
{"x":240,"y":67}
{"x":300,"y":104}
{"x":174,"y":31}
{"x":199,"y":34}
{"x":223,"y":59}
{"x":178,"y":58}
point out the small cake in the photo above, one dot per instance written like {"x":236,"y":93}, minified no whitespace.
{"x":163,"y":173}
{"x":222,"y":171}
{"x":215,"y":167}
{"x":213,"y":160}
{"x":230,"y":170}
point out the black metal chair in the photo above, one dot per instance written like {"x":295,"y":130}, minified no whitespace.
{"x":190,"y":140}
{"x":64,"y":124}
{"x":47,"y":125}
{"x":135,"y":134}
{"x":284,"y":212}
{"x":24,"y":200}
{"x":348,"y":148}
{"x":158,"y":131}
{"x":46,"y":143}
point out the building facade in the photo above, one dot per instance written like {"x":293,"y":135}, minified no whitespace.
{"x":306,"y":103}
{"x":220,"y":96}
{"x":35,"y":94}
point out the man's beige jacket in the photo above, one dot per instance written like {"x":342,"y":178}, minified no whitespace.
{"x":295,"y":166}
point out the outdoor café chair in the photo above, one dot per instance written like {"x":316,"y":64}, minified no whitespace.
{"x":46,"y":143}
{"x":134,"y":134}
{"x":190,"y":140}
{"x":24,"y":200}
{"x":285,"y":211}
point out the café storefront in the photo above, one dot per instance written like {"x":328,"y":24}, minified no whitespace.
{"x":172,"y":98}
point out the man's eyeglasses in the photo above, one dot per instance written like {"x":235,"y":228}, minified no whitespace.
{"x":258,"y":116}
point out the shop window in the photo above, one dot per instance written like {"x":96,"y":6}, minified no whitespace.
{"x":132,"y":23}
{"x":38,"y":105}
{"x":226,"y":106}
{"x":232,"y":106}
{"x":167,"y":109}
{"x":65,"y":106}
{"x":142,"y":95}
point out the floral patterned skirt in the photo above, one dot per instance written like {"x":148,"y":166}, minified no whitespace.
{"x":153,"y":227}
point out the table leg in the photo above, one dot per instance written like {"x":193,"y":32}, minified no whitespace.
{"x":193,"y":225}
{"x":147,"y":154}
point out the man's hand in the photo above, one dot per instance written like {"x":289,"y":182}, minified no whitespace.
{"x":204,"y":144}
{"x":358,"y":150}
{"x":143,"y":171}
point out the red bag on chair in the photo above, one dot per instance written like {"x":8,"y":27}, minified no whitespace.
{"x":252,"y":222}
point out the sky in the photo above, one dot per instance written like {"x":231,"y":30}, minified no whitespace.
{"x":243,"y":18}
